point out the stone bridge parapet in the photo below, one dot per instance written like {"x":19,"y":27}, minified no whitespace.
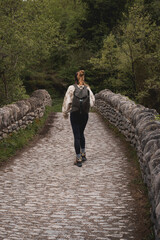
{"x":18,"y":115}
{"x":142,"y":130}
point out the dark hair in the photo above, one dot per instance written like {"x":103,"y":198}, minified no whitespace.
{"x":82,"y":74}
{"x":76,"y":79}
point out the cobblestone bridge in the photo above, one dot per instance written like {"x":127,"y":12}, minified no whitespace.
{"x":44,"y":196}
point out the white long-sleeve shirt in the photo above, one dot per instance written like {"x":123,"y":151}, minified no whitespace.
{"x":67,"y":103}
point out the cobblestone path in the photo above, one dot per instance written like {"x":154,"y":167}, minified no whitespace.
{"x":44,"y":196}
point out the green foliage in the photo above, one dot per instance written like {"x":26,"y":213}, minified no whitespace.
{"x":43,"y":43}
{"x":153,"y":7}
{"x":101,"y":17}
{"x":10,"y":44}
{"x":106,"y":64}
{"x":65,"y":55}
{"x":139,"y":43}
{"x":130,"y":57}
{"x":69,"y":15}
{"x":26,"y":39}
{"x":84,"y":23}
{"x":57,"y":104}
{"x":157,"y":117}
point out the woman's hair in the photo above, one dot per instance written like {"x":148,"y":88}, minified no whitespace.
{"x":80,"y":77}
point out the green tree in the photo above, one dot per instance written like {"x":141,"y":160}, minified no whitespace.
{"x":139,"y":45}
{"x":153,"y":8}
{"x":27,"y":34}
{"x":101,"y":17}
{"x":106,"y":64}
{"x":75,"y":52}
{"x":130,"y":57}
{"x":9,"y":41}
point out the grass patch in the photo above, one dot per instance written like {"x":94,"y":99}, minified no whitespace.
{"x":16,"y":141}
{"x":57,"y":104}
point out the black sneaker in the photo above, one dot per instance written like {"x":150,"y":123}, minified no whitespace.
{"x":83,"y":157}
{"x":78,"y":162}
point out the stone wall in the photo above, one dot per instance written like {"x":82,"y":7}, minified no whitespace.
{"x":18,"y":115}
{"x":142,"y":130}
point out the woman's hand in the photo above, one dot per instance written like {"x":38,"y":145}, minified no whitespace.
{"x":65,"y":115}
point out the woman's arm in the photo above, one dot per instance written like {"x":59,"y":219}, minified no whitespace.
{"x":92,"y":97}
{"x":67,"y":102}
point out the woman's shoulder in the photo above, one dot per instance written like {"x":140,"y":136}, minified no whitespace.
{"x":71,"y":87}
{"x":88,"y":87}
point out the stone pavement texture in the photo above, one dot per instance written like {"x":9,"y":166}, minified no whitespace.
{"x":44,"y":196}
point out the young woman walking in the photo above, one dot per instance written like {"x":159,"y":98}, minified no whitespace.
{"x":78,"y":99}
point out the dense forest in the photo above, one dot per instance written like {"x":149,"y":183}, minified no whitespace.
{"x":44,"y":42}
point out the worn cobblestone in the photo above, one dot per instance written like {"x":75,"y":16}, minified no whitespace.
{"x":44,"y":196}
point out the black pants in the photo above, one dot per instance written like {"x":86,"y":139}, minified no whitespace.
{"x":78,"y":122}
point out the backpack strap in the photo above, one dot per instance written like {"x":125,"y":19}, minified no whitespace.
{"x":75,"y":85}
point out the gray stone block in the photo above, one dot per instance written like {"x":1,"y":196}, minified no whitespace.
{"x":154,"y":162}
{"x":44,"y":96}
{"x":152,"y":146}
{"x":154,"y":135}
{"x":14,"y":111}
{"x":147,"y":127}
{"x":24,"y":107}
{"x":14,"y":126}
{"x":20,"y":122}
{"x":4,"y":135}
{"x":5,"y":130}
